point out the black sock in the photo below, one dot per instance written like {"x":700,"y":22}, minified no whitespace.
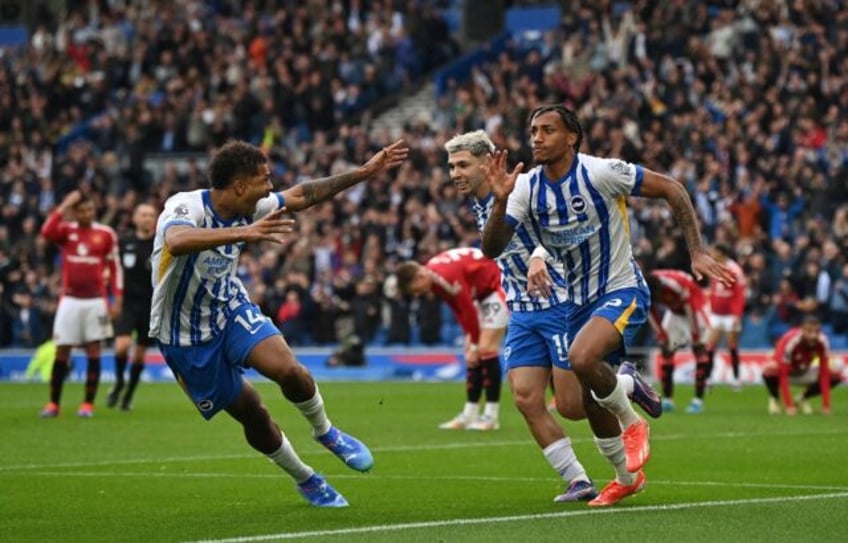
{"x":734,"y":361}
{"x":474,"y":384}
{"x":701,"y":378}
{"x":135,"y":373}
{"x":492,"y":378}
{"x":120,"y":368}
{"x":92,"y":379}
{"x":710,"y":362}
{"x":57,"y":379}
{"x":668,"y":380}
{"x":772,"y":386}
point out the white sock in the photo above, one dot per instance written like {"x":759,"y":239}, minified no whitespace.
{"x":612,"y":448}
{"x":491,"y":410}
{"x":314,"y":412}
{"x":561,"y":457}
{"x":290,"y":462}
{"x":471,"y":411}
{"x":697,"y":401}
{"x":618,"y":404}
{"x":627,"y":382}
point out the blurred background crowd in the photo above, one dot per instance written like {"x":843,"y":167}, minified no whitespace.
{"x":745,"y":102}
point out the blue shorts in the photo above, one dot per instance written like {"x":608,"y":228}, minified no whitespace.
{"x":537,"y":339}
{"x":627,"y":309}
{"x":210,"y":373}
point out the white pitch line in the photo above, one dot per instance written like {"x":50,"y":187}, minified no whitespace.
{"x":519,"y":518}
{"x":371,"y":477}
{"x":405,"y":448}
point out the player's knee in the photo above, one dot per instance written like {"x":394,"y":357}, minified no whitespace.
{"x":582,"y":356}
{"x":571,"y":408}
{"x":770,"y":370}
{"x":288,"y":373}
{"x":256,"y":417}
{"x":528,"y":402}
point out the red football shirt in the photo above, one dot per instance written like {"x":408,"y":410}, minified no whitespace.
{"x":795,"y":356}
{"x":461,"y":277}
{"x":86,"y":254}
{"x":681,"y":295}
{"x":728,"y":300}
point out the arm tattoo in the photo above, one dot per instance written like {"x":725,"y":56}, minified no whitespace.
{"x":497,"y":233}
{"x":321,"y":190}
{"x":684,"y":215}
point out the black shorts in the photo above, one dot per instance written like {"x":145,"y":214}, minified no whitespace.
{"x":135,"y":318}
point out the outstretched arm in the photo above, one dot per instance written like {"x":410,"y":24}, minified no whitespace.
{"x":182,"y":239}
{"x":314,"y":192}
{"x":655,"y":185}
{"x":498,"y":232}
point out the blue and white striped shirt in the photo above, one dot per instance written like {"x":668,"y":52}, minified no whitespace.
{"x":194,"y":294}
{"x":514,"y":264}
{"x":581,"y":219}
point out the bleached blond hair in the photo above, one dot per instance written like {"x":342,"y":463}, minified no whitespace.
{"x":477,"y":143}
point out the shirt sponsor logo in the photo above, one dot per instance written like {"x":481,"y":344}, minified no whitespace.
{"x":569,"y":237}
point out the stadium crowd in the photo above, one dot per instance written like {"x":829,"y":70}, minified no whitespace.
{"x":748,"y":106}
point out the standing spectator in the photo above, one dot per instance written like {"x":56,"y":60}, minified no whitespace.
{"x":26,"y":320}
{"x":839,"y":302}
{"x":89,"y":251}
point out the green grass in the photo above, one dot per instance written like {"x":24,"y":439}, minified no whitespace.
{"x":162,"y":474}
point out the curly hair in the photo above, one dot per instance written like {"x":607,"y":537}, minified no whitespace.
{"x":234,"y":160}
{"x":569,"y":118}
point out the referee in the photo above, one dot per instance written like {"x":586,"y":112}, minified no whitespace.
{"x":135,"y":317}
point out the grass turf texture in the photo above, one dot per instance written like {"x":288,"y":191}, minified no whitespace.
{"x":160,"y":473}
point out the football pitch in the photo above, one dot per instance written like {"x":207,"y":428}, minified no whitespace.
{"x":161,"y":474}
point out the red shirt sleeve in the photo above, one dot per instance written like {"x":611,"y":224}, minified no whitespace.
{"x":783,"y":378}
{"x":54,"y":229}
{"x":824,"y":376}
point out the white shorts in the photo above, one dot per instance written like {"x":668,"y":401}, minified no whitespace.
{"x":492,"y":311}
{"x":725,"y":323}
{"x":679,"y":331}
{"x":81,"y":320}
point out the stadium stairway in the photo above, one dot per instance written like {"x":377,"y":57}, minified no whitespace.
{"x":418,"y":105}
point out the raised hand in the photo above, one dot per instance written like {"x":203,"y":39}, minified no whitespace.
{"x":705,"y":265}
{"x":389,"y":157}
{"x":498,"y":178}
{"x":272,"y":227}
{"x":71,"y":199}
